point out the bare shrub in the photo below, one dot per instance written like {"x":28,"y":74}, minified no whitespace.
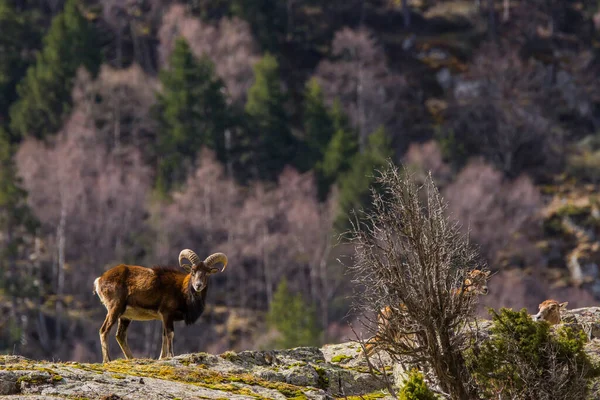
{"x":411,"y":257}
{"x":229,"y":43}
{"x":492,"y":207}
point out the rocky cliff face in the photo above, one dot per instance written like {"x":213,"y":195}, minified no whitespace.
{"x":333,"y":371}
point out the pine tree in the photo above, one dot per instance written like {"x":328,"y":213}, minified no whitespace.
{"x":295,"y":320}
{"x":45,"y":92}
{"x":19,"y":34}
{"x":273,"y":145}
{"x":318,"y":124}
{"x":356,"y":183}
{"x":16,"y":219}
{"x":267,"y":19}
{"x":340,"y":153}
{"x":192,"y":112}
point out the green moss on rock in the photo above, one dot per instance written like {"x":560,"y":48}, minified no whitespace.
{"x":369,"y":396}
{"x":323,"y":382}
{"x":340,"y":358}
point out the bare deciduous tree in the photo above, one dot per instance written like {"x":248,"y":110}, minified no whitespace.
{"x":229,"y":43}
{"x":93,"y":199}
{"x":426,"y":158}
{"x":288,"y":232}
{"x":128,"y":25}
{"x":119,"y":103}
{"x":497,"y":113}
{"x":494,"y":208}
{"x":411,"y":257}
{"x":359,"y":76}
{"x":90,"y":203}
{"x":270,"y":232}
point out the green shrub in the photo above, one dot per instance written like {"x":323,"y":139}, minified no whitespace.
{"x":415,"y":388}
{"x":571,"y":210}
{"x":584,"y":161}
{"x":553,"y":226}
{"x":526,"y":359}
{"x":453,"y":149}
{"x":295,"y":320}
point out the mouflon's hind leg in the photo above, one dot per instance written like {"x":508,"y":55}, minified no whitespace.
{"x":109,"y":321}
{"x":122,"y":337}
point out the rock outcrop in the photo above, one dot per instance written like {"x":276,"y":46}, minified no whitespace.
{"x":333,"y":371}
{"x":300,"y":373}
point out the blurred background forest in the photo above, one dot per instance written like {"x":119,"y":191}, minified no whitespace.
{"x":131,"y":129}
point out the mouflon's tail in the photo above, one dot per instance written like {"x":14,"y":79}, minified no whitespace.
{"x":95,"y":291}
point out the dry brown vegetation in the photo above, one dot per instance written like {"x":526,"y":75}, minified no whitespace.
{"x":407,"y":252}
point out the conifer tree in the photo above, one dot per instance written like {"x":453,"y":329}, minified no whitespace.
{"x":19,"y":35}
{"x":295,"y":320}
{"x":340,"y":152}
{"x":45,"y":92}
{"x":16,"y":219}
{"x":267,"y":19}
{"x":318,"y":124}
{"x":192,"y":112}
{"x":272,"y":143}
{"x":356,"y":183}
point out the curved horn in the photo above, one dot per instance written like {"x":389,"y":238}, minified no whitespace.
{"x":187,"y":254}
{"x":216,"y":258}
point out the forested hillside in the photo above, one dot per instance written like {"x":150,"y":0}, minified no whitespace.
{"x":132,"y":129}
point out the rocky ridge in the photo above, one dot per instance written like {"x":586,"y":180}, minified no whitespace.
{"x":333,"y":371}
{"x":301,"y":373}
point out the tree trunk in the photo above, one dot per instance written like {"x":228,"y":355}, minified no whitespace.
{"x":42,"y":329}
{"x":267,"y":268}
{"x":60,"y":281}
{"x":505,"y":10}
{"x":136,"y":48}
{"x":455,"y":371}
{"x":13,"y":284}
{"x":491,"y":20}
{"x":323,"y":281}
{"x":323,"y":292}
{"x":290,"y":19}
{"x":362,"y":135}
{"x":117,"y":123}
{"x":228,"y":162}
{"x":406,"y":14}
{"x":119,"y":55}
